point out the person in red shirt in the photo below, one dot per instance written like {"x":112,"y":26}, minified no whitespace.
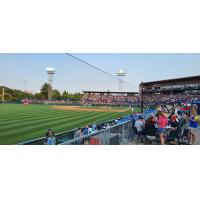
{"x":162,"y":123}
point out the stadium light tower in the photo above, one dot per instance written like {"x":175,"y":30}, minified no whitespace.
{"x":50,"y":72}
{"x":121,"y":73}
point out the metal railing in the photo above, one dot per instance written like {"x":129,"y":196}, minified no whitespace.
{"x":60,"y":137}
{"x":116,"y":135}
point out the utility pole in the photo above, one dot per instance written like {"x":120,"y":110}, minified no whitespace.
{"x":142,"y":98}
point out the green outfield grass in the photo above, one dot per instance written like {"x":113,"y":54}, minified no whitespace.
{"x":20,"y":123}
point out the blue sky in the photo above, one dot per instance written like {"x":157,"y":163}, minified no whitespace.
{"x":72,"y":75}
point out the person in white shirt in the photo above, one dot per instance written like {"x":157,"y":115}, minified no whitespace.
{"x":140,"y":125}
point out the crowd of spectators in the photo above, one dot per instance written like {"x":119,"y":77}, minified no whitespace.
{"x":115,"y":100}
{"x":172,"y":124}
{"x":120,"y":100}
{"x":168,"y":99}
{"x":89,"y":129}
{"x":54,"y":102}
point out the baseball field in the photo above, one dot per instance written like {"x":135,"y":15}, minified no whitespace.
{"x":19,"y":123}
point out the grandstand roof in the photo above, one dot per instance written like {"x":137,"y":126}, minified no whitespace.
{"x":109,"y":92}
{"x":183,"y":79}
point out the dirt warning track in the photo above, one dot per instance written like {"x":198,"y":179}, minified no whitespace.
{"x":78,"y":108}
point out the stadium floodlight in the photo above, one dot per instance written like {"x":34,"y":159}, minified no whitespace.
{"x":50,"y":72}
{"x":121,"y":73}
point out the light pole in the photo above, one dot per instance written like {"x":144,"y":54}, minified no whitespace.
{"x":50,"y":72}
{"x":121,"y":73}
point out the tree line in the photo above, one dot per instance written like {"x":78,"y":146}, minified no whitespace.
{"x":17,"y":95}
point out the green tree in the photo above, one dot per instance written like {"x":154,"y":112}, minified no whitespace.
{"x":65,"y":94}
{"x":44,"y":90}
{"x":15,"y":95}
{"x":56,"y":94}
{"x":76,"y":96}
{"x":39,"y":96}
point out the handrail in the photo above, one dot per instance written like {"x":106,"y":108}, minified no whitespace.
{"x":42,"y":138}
{"x":93,"y":134}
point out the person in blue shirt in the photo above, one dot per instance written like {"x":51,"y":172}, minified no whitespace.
{"x":85,"y":131}
{"x":51,"y":139}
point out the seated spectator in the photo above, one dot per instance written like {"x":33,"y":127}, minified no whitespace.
{"x":78,"y":133}
{"x":51,"y":138}
{"x":150,"y":129}
{"x":140,"y":125}
{"x":47,"y":135}
{"x":86,"y":130}
{"x":175,"y":130}
{"x":91,"y":129}
{"x":94,"y":126}
{"x":106,"y":126}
